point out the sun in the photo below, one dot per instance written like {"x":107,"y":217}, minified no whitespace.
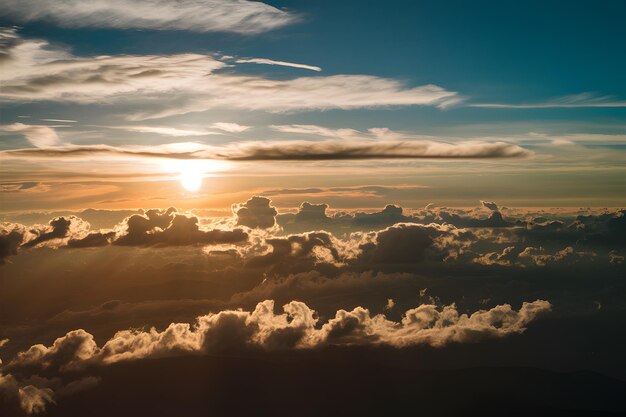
{"x":191,"y":173}
{"x":191,"y":179}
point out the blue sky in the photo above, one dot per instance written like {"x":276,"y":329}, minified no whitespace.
{"x":536,"y":75}
{"x":503,"y":52}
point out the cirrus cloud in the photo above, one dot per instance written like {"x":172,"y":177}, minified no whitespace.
{"x":240,"y":16}
{"x":167,"y":85}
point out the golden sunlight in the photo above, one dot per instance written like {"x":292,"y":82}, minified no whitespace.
{"x":191,"y":179}
{"x":190,"y":173}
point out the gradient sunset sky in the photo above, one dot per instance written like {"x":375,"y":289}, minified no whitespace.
{"x":312,"y":208}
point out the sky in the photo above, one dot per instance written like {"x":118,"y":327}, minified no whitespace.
{"x":545,"y":78}
{"x":227,"y":207}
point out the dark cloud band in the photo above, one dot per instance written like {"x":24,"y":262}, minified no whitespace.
{"x":292,"y":151}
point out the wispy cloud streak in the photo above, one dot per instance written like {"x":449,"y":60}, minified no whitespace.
{"x":584,"y":100}
{"x":167,"y":85}
{"x":240,"y":16}
{"x":287,"y":151}
{"x":280,"y":63}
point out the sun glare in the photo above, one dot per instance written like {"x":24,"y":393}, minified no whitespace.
{"x":191,"y":179}
{"x":191,"y":173}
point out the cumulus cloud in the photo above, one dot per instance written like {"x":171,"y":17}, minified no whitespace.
{"x":70,"y":357}
{"x":58,"y":228}
{"x":507,"y":257}
{"x":166,"y":228}
{"x":92,"y":240}
{"x":490,"y":205}
{"x":38,"y":136}
{"x":566,"y":256}
{"x":299,"y":252}
{"x":24,"y":397}
{"x":463,"y":218}
{"x":67,"y":353}
{"x":165,"y":85}
{"x":413,"y":243}
{"x":314,"y":239}
{"x":257,"y":212}
{"x":11,"y":237}
{"x":297,"y":327}
{"x":312,"y":212}
{"x":389,"y":215}
{"x":153,"y":228}
{"x":240,"y":16}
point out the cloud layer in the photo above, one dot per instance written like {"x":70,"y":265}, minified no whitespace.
{"x":230,"y":331}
